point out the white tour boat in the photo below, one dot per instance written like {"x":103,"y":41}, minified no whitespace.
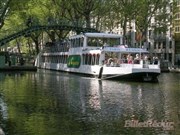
{"x":100,"y":55}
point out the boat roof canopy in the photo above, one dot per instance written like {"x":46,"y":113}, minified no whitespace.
{"x":125,"y":50}
{"x":100,"y":35}
{"x":110,"y":35}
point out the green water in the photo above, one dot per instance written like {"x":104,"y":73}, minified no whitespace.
{"x":55,"y":103}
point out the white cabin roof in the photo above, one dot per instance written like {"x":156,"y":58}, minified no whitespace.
{"x":110,"y":35}
{"x":106,"y":35}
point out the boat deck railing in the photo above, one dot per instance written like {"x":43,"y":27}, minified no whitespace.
{"x":142,"y":64}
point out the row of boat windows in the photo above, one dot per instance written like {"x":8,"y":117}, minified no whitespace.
{"x":86,"y":59}
{"x":94,"y":41}
{"x":64,"y":46}
{"x":55,"y":59}
{"x":78,"y":42}
{"x":59,"y":47}
{"x":89,"y":59}
{"x":97,"y":41}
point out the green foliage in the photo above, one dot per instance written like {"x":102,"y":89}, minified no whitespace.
{"x":103,"y":15}
{"x":4,"y":9}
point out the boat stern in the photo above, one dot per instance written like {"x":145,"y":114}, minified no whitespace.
{"x":130,"y":72}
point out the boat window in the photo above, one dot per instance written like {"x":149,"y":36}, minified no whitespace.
{"x":159,"y":45}
{"x":54,"y":59}
{"x":93,"y":59}
{"x":154,"y":45}
{"x":73,"y":42}
{"x":78,"y":42}
{"x":89,"y":59}
{"x":70,"y":42}
{"x":97,"y":59}
{"x":65,"y":59}
{"x":96,"y":41}
{"x":57,"y":59}
{"x":81,"y":42}
{"x":47,"y":59}
{"x":93,"y":42}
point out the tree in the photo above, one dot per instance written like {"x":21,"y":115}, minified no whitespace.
{"x":4,"y":8}
{"x":149,"y":9}
{"x":104,"y":16}
{"x":126,"y":10}
{"x":84,"y":8}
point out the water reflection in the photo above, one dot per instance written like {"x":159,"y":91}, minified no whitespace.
{"x":49,"y":102}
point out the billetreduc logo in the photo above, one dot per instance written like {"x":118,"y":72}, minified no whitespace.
{"x":165,"y":125}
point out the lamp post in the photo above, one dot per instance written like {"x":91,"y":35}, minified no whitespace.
{"x":162,"y":54}
{"x":141,"y":35}
{"x":130,"y":36}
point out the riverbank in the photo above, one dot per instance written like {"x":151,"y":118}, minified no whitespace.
{"x":18,"y":68}
{"x":175,"y":70}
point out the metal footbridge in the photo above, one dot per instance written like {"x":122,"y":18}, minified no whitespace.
{"x":28,"y":30}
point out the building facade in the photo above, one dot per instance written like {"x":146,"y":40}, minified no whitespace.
{"x":176,"y":25}
{"x":159,"y":43}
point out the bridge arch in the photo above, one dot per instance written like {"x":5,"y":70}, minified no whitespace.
{"x":35,"y":28}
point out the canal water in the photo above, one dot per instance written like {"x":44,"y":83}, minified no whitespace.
{"x":55,"y":103}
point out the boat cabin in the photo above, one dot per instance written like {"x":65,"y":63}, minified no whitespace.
{"x":95,"y":40}
{"x":121,"y":55}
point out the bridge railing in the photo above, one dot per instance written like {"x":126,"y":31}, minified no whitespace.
{"x":36,"y":22}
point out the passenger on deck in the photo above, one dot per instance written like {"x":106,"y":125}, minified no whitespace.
{"x":123,"y":59}
{"x":128,"y":57}
{"x":110,"y":62}
{"x":130,"y":60}
{"x":119,"y":62}
{"x":137,"y":59}
{"x":146,"y":60}
{"x":155,"y":60}
{"x":116,"y":62}
{"x":104,"y":62}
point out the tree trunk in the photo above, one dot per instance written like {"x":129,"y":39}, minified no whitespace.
{"x":37,"y":46}
{"x":36,"y":41}
{"x":124,"y":30}
{"x":18,"y":46}
{"x":88,"y":24}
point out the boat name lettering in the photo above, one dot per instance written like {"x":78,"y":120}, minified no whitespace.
{"x":116,"y":49}
{"x":75,"y":63}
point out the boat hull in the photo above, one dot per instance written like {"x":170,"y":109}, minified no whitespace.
{"x":131,"y":72}
{"x":113,"y":73}
{"x":142,"y":77}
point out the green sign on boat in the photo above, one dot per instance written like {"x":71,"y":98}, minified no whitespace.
{"x":74,"y":61}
